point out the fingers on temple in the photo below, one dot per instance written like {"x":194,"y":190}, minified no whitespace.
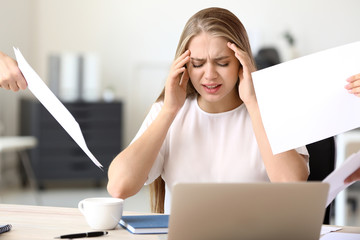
{"x":182,"y":56}
{"x":243,"y":58}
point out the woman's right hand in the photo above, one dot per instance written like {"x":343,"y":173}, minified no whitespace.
{"x":130,"y":169}
{"x":11,"y":77}
{"x":176,"y":83}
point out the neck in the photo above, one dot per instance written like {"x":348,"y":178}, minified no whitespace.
{"x":229,"y":103}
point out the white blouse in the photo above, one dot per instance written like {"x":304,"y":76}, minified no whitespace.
{"x":207,"y":147}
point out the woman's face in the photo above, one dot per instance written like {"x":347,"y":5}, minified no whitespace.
{"x":214,"y":71}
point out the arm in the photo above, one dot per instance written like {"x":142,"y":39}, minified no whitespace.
{"x":11,"y":77}
{"x":129,"y":170}
{"x":282,"y":167}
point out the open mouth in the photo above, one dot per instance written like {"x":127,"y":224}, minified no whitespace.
{"x":212,"y":88}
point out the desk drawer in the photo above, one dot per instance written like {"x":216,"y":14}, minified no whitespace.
{"x":57,"y":156}
{"x":70,"y":167}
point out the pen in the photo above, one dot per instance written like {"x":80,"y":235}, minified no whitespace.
{"x":83,"y":235}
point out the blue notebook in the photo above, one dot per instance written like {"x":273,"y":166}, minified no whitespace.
{"x":146,"y":224}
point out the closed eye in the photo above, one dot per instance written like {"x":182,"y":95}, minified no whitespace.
{"x":223,"y":64}
{"x":197,"y":62}
{"x":197,"y":65}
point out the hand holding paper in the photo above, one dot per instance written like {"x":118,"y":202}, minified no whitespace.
{"x":304,"y":100}
{"x":53,"y":105}
{"x":353,"y":85}
{"x":337,"y":177}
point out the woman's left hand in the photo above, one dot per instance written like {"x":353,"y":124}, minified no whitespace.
{"x":246,"y":87}
{"x":353,"y":85}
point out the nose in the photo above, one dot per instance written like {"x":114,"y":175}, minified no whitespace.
{"x":210,"y":71}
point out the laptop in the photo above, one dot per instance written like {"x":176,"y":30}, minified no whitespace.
{"x":249,"y":211}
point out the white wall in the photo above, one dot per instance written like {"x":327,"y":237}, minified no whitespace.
{"x":15,"y":24}
{"x":136,"y":39}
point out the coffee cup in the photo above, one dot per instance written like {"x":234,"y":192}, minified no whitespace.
{"x":103,"y":212}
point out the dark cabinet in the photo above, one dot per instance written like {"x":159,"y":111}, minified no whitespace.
{"x":57,"y":156}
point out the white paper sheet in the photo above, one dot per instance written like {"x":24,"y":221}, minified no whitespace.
{"x":327,"y":229}
{"x":304,"y":100}
{"x":341,"y":236}
{"x":337,"y":177}
{"x":53,"y":105}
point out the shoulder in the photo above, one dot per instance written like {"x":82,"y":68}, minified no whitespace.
{"x":155,"y":109}
{"x":152,"y":114}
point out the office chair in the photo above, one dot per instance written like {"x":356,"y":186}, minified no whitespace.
{"x":322,"y":163}
{"x":267,"y":57}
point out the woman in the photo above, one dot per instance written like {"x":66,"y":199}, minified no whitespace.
{"x":206,"y":124}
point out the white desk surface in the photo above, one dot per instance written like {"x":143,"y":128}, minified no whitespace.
{"x":38,"y":222}
{"x":17,"y":143}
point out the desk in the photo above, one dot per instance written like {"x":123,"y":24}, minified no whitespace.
{"x":38,"y":222}
{"x":17,"y":143}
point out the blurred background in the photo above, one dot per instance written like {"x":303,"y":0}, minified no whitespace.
{"x":131,"y":44}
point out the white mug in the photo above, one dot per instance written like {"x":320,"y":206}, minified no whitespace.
{"x":103,"y":212}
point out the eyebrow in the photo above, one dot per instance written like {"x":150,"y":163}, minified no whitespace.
{"x":216,"y":59}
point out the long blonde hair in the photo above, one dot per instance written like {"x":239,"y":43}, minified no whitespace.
{"x":218,"y":22}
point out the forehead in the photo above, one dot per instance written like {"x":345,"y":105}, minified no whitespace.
{"x":205,"y":45}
